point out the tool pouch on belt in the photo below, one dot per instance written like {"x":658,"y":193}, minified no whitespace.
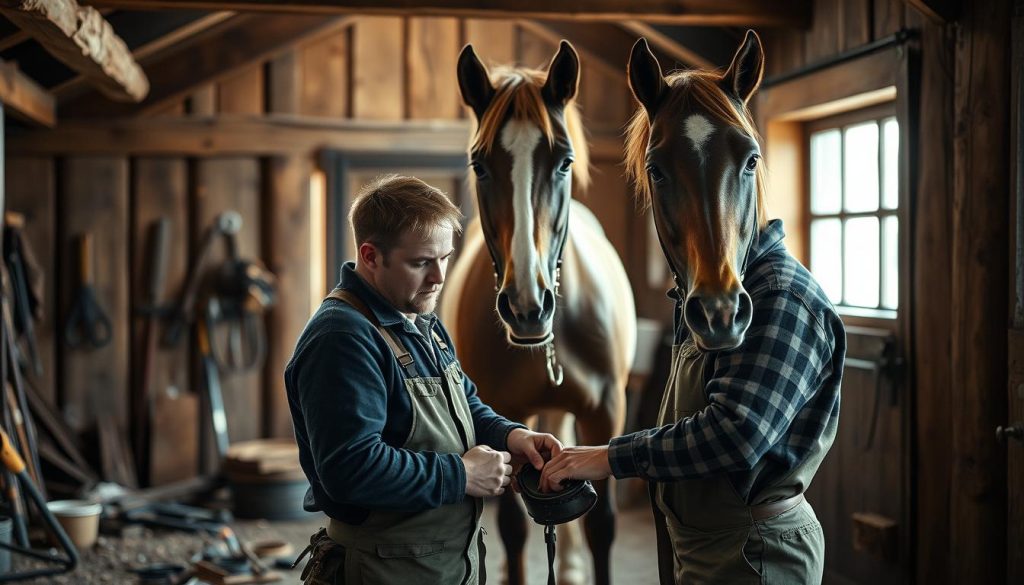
{"x":326,"y":564}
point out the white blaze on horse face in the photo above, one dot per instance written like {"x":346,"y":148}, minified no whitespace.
{"x":520,"y":138}
{"x":698,"y":129}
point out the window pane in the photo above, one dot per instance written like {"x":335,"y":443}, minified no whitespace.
{"x":825,"y":172}
{"x":826,"y":256}
{"x":860,"y":170}
{"x":860,"y":259}
{"x":890,"y":291}
{"x":890,"y":171}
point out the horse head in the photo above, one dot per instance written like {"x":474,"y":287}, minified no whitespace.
{"x":693,"y":153}
{"x":525,"y":151}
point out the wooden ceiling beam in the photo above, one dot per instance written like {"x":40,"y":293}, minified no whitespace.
{"x":24,"y":98}
{"x":269,"y":135}
{"x":16,"y":38}
{"x":611,"y":43}
{"x":675,"y":51}
{"x":792,"y":14}
{"x":82,"y":39}
{"x":213,"y":54}
{"x":148,"y":52}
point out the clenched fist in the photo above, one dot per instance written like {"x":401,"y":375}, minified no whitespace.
{"x":487,"y":471}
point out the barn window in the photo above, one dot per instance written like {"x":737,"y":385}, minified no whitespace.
{"x":853,"y":223}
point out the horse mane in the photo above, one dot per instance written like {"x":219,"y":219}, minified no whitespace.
{"x":703,"y":87}
{"x":517,"y":89}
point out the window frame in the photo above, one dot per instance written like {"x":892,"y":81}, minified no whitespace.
{"x":878,"y":113}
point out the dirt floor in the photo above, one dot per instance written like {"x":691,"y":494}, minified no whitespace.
{"x":113,"y":557}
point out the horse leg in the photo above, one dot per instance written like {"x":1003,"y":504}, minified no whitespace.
{"x":600,"y":527}
{"x":600,"y":521}
{"x":512,"y":526}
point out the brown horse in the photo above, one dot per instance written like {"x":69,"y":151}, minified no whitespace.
{"x":693,"y":153}
{"x":536,"y":259}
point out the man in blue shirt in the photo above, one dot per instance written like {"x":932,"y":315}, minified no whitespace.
{"x":397,"y":446}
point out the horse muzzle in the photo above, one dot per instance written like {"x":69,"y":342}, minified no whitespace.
{"x":529,"y":322}
{"x":718,"y":321}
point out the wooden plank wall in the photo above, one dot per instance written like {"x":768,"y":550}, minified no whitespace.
{"x":374,"y":69}
{"x":957,"y":482}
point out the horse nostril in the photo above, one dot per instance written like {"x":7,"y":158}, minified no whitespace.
{"x":695,"y":317}
{"x":744,"y":311}
{"x":548,"y":308}
{"x":505,"y":307}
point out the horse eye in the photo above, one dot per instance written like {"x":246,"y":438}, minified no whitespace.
{"x":479,"y":170}
{"x":655,"y":174}
{"x":752,"y":162}
{"x":566,"y":165}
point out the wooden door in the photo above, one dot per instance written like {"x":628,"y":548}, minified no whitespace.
{"x":1012,"y":432}
{"x":858,"y":493}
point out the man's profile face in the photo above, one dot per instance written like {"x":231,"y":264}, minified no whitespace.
{"x":412,"y":273}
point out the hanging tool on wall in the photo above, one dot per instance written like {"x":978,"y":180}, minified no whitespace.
{"x":87,"y":325}
{"x":26,"y":280}
{"x":214,"y":396}
{"x":236,"y":295}
{"x":15,"y":467}
{"x":15,"y":386}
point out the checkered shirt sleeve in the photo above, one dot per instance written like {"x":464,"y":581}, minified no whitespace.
{"x":758,"y":400}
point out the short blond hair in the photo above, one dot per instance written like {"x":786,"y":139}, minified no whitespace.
{"x":391,"y":205}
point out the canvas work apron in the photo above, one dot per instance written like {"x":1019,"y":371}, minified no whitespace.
{"x":443,"y":545}
{"x":715,"y":536}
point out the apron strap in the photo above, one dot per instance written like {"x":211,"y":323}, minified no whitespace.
{"x":401,"y":354}
{"x":440,"y":342}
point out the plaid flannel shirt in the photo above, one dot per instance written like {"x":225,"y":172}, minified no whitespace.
{"x":769,"y":401}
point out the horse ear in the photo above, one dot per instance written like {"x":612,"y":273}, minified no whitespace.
{"x":474,"y":82}
{"x":563,"y":75}
{"x":744,"y":75}
{"x":645,"y":79}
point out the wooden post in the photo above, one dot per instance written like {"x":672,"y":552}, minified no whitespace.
{"x":981,"y":206}
{"x":287,"y":252}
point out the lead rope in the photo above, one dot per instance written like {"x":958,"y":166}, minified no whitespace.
{"x":549,"y":538}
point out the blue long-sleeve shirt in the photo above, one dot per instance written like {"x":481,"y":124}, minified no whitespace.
{"x":351,"y":414}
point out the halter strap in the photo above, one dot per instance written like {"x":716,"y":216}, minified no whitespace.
{"x":401,"y":354}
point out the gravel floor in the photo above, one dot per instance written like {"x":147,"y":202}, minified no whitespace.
{"x":112,"y":558}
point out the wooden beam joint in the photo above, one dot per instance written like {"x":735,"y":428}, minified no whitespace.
{"x":25,"y":98}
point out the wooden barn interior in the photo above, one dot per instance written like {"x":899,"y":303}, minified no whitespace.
{"x":242,"y":129}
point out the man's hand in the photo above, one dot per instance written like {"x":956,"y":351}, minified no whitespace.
{"x":575,"y":463}
{"x":535,"y":448}
{"x":487,"y":471}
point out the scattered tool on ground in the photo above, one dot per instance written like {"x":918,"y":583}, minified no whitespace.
{"x":15,"y":465}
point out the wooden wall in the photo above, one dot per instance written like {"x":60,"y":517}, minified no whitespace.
{"x":365,"y":70}
{"x":958,"y":270}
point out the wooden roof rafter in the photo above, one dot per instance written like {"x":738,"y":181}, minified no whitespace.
{"x":793,"y":14}
{"x":26,"y":99}
{"x":81,"y":38}
{"x":215,"y":53}
{"x":149,"y":51}
{"x":611,"y":43}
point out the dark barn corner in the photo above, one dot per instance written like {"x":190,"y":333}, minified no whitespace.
{"x":177,"y":180}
